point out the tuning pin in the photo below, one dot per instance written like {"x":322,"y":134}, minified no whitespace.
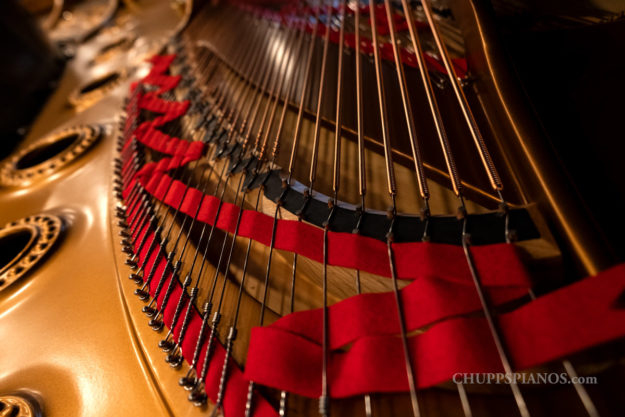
{"x":127,"y":249}
{"x":197,"y":397}
{"x":174,"y":360}
{"x":166,"y":345}
{"x":156,"y":324}
{"x":142,"y":294}
{"x":187,"y":382}
{"x":149,"y":311}
{"x":136,"y":278}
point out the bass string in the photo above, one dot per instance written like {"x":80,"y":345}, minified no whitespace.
{"x":195,"y":391}
{"x":182,"y":228}
{"x":163,"y":214}
{"x":161,"y":248}
{"x":456,"y":183}
{"x":173,"y":357}
{"x":261,"y":91}
{"x":286,"y":185}
{"x":233,"y":330}
{"x":362,"y":178}
{"x":392,"y":191}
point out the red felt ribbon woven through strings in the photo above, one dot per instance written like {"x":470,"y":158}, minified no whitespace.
{"x":182,"y":152}
{"x":366,"y":355}
{"x":288,"y":357}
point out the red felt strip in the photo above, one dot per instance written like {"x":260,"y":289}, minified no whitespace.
{"x":425,"y":301}
{"x":237,"y":384}
{"x":345,"y":249}
{"x":386,"y":51}
{"x":161,"y":142}
{"x":155,"y":104}
{"x":499,"y":264}
{"x":161,"y":63}
{"x":285,"y":15}
{"x":152,"y":173}
{"x":165,"y":82}
{"x":566,"y":321}
{"x":432,"y":261}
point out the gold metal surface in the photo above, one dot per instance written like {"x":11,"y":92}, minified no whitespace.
{"x":66,"y":330}
{"x":78,"y":20}
{"x":72,"y":332}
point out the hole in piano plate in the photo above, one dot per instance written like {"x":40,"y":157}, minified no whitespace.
{"x":46,"y":151}
{"x":113,"y":45}
{"x":19,"y":405}
{"x":100,"y":82}
{"x":13,"y":245}
{"x":24,"y":244}
{"x":112,"y":49}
